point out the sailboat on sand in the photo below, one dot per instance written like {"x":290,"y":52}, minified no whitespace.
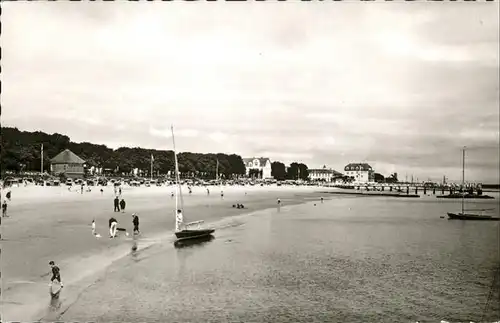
{"x":468,"y":216}
{"x":182,"y":230}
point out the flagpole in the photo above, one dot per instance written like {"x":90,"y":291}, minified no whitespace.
{"x":41,"y":161}
{"x":151,"y":167}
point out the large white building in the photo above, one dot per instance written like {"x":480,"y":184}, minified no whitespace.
{"x":323,"y":174}
{"x":259,"y":164}
{"x":360,"y":172}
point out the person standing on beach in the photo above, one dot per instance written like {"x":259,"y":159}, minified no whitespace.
{"x":279,"y":202}
{"x":135,"y":222}
{"x":93,"y":226}
{"x":322,"y":199}
{"x":117,"y":204}
{"x":4,"y":209}
{"x":208,"y":191}
{"x":8,"y":195}
{"x":102,"y":191}
{"x":120,"y":191}
{"x":122,"y":205}
{"x":56,"y":275}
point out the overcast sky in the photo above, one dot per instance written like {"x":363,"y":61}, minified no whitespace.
{"x":402,"y":86}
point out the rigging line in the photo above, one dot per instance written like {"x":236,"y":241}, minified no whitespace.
{"x":490,"y":293}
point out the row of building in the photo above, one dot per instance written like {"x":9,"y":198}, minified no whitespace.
{"x":72,"y":165}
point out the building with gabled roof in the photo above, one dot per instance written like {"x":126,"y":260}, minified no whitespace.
{"x":262,"y":164}
{"x":68,"y":163}
{"x":360,"y":172}
{"x":324,"y":174}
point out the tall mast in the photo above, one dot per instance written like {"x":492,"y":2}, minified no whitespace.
{"x":178,"y":191}
{"x":463,"y":178}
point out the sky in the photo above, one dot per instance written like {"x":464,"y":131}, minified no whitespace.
{"x":401,"y":86}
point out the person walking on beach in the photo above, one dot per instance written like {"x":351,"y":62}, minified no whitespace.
{"x":135,"y":222}
{"x":208,"y":191}
{"x":8,"y":195}
{"x":279,"y":202}
{"x":56,"y":275}
{"x":120,"y":191}
{"x":322,"y":199}
{"x":4,"y":209}
{"x":122,"y":205}
{"x":117,"y":204}
{"x":190,"y":191}
{"x":93,"y":226}
{"x":81,"y":188}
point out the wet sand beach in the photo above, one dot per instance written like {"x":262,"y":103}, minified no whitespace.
{"x":52,"y":223}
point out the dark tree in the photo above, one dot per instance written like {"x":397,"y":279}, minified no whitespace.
{"x":278,"y":171}
{"x":379,"y":178}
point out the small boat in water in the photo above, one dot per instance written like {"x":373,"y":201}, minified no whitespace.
{"x":182,"y":230}
{"x":477,"y":217}
{"x":462,"y":215}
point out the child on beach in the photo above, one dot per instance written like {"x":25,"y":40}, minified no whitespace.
{"x":4,"y":209}
{"x":135,"y":222}
{"x":122,"y":205}
{"x":56,"y":275}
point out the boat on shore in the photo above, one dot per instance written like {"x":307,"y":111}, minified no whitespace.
{"x":182,"y":230}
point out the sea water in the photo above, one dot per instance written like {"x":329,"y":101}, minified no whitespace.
{"x":349,"y":259}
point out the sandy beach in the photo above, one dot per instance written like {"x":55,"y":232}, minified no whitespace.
{"x":52,"y":223}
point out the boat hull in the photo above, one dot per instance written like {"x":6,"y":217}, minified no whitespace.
{"x":473,"y":217}
{"x":467,"y":196}
{"x":193,"y":234}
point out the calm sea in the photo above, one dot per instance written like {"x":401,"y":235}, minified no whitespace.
{"x":348,"y":259}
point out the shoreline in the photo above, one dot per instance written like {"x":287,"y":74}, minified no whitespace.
{"x":82,"y":256}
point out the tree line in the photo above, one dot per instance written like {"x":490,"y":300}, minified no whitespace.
{"x":21,"y":151}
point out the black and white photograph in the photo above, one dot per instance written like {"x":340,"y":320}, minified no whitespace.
{"x":250,"y":161}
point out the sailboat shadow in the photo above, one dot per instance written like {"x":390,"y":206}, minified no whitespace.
{"x":191,"y":243}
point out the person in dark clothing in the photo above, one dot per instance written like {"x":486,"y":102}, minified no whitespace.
{"x":135,"y":222}
{"x":8,"y":195}
{"x":122,"y":205}
{"x":56,"y":275}
{"x":102,"y":191}
{"x":120,"y":190}
{"x":4,"y":209}
{"x":117,"y":204}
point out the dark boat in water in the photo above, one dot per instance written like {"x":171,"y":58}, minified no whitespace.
{"x":462,"y":215}
{"x":191,"y":242}
{"x":183,"y":230}
{"x":476,"y":217}
{"x":465,"y":196}
{"x":193,"y":234}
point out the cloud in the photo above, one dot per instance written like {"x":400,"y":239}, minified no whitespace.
{"x":404,"y":88}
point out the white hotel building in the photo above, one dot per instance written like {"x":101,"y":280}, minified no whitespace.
{"x":360,"y":172}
